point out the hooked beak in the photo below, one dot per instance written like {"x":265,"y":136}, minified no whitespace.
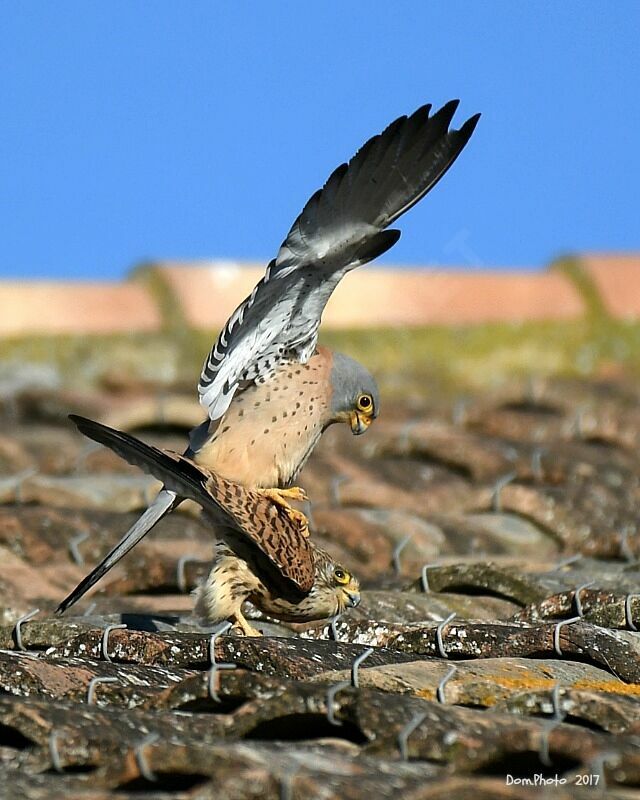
{"x":359,"y":422}
{"x":354,"y":598}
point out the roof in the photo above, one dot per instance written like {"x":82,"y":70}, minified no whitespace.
{"x":203,"y":294}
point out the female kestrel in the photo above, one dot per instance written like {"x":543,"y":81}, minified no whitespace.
{"x":268,"y":390}
{"x":262,"y":554}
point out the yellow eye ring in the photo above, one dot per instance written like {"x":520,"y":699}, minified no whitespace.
{"x":341,"y":576}
{"x":364,"y":402}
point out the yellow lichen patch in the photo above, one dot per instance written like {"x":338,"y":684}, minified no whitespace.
{"x":612,"y":687}
{"x":486,"y":689}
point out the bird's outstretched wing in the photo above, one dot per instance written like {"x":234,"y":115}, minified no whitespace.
{"x":249,"y":513}
{"x":342,"y":226}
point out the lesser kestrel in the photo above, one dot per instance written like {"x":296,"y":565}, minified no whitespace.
{"x":268,"y":390}
{"x":261,"y":554}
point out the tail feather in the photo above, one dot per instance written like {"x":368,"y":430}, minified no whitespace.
{"x":160,"y":507}
{"x":181,"y":477}
{"x":250,"y":517}
{"x":165,"y":502}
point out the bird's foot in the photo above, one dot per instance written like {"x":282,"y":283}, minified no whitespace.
{"x":281,"y":498}
{"x":247,"y":630}
{"x":283,"y":495}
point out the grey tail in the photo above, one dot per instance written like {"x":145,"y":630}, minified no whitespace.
{"x":165,"y":502}
{"x":161,"y":506}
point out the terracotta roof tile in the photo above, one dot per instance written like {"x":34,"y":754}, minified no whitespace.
{"x":208,"y":292}
{"x":617,"y":278}
{"x":48,"y":307}
{"x":422,"y":297}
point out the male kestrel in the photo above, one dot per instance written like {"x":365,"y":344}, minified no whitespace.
{"x":262,"y":554}
{"x":268,"y":390}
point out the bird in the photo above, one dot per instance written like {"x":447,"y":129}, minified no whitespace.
{"x":268,"y":390}
{"x":261,"y":553}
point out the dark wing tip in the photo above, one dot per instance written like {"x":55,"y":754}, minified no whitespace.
{"x":424,"y":109}
{"x":451,"y":105}
{"x":446,"y":113}
{"x":339,"y":172}
{"x":469,"y":127}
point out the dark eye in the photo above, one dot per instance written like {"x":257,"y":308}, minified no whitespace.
{"x":365,"y":401}
{"x":341,"y":575}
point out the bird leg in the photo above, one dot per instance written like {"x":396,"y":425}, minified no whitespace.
{"x":238,"y":619}
{"x":281,"y":497}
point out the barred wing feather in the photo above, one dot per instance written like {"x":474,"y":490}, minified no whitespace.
{"x":342,"y":226}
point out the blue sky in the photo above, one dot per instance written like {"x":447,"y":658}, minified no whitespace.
{"x":139,"y":130}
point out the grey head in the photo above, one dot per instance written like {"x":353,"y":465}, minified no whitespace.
{"x":355,"y":397}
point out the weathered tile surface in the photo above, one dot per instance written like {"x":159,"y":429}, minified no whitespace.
{"x":499,"y":556}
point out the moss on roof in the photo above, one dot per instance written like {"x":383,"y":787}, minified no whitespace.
{"x":410,"y":362}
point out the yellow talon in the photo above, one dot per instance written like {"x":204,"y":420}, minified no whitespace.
{"x":293,"y":493}
{"x":241,"y":622}
{"x":281,"y":498}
